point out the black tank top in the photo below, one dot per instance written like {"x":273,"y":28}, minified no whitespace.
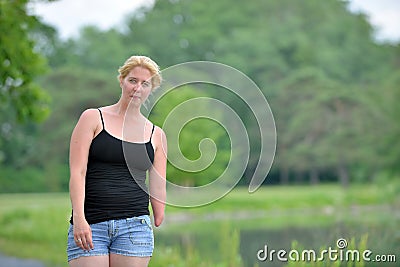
{"x":115,"y":185}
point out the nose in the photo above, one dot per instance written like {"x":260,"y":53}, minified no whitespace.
{"x":137,"y":87}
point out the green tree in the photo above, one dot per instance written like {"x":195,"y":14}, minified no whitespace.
{"x":272,"y":42}
{"x":323,"y":127}
{"x":189,"y":137}
{"x":386,"y":124}
{"x":20,"y":63}
{"x":93,"y":49}
{"x":23,"y":103}
{"x":326,"y":78}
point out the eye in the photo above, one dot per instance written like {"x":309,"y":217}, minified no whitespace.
{"x":146,"y":84}
{"x":132,"y":80}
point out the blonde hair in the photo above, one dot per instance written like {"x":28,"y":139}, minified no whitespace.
{"x":145,"y":62}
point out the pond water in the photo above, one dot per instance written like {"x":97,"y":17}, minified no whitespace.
{"x":382,"y":238}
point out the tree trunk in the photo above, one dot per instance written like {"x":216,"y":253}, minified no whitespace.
{"x":343,"y":175}
{"x":284,"y":176}
{"x":314,"y":177}
{"x":298,"y":178}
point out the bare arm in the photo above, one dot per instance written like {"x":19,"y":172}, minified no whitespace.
{"x":81,"y":139}
{"x":157,"y":177}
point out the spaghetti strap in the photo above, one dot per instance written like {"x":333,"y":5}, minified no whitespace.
{"x":152,"y":131}
{"x":101,"y":116}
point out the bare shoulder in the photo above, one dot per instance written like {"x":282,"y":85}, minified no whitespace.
{"x":90,"y":116}
{"x":86,"y":127}
{"x":159,"y":132}
{"x":90,"y":113}
{"x":89,"y":119}
{"x":159,"y":137}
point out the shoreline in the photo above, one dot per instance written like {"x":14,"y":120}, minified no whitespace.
{"x":17,"y":262}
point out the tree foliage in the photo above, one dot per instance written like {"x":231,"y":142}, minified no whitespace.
{"x":23,"y":103}
{"x":20,"y":63}
{"x":331,"y":87}
{"x":186,"y":137}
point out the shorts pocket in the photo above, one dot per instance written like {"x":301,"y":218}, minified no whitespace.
{"x":145,"y":220}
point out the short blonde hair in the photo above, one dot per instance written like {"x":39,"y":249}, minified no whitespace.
{"x":145,"y":62}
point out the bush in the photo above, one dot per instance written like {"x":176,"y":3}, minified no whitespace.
{"x":54,"y":178}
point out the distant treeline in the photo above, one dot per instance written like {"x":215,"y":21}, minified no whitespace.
{"x":332,"y":88}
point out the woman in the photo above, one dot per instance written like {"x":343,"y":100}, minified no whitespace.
{"x":110,"y":223}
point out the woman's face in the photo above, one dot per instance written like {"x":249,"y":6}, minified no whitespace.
{"x":136,"y":86}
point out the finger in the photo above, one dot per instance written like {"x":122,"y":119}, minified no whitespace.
{"x":85,"y":243}
{"x":78,"y":242}
{"x":77,"y":239}
{"x":90,"y":242}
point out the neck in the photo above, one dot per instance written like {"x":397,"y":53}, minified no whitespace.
{"x":126,"y":108}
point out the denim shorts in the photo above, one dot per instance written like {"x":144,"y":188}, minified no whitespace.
{"x":128,"y":237}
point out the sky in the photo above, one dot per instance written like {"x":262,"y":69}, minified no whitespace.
{"x":68,"y":16}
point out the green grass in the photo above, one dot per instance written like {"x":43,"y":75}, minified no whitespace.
{"x":286,"y":206}
{"x":35,"y":225}
{"x":294,"y":197}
